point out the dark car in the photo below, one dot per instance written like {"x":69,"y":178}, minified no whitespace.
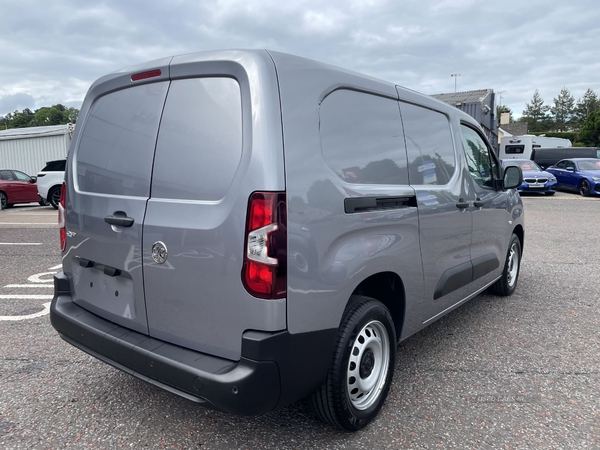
{"x":578,"y":175}
{"x":534,"y":178}
{"x":17,"y":187}
{"x":546,"y":157}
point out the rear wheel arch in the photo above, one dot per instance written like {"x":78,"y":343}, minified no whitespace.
{"x":388,"y":288}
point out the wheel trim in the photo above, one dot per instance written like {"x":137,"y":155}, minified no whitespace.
{"x":371,"y":349}
{"x":513,"y":264}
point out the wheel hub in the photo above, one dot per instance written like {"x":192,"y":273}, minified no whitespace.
{"x":367,"y":363}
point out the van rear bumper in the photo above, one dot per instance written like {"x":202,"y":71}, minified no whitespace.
{"x":275,"y":369}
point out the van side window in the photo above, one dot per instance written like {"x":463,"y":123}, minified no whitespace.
{"x":429,"y":144}
{"x":117,"y":142}
{"x":361,"y":138}
{"x":478,"y":157}
{"x":199,"y":144}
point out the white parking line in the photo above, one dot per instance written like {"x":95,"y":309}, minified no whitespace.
{"x":26,"y":297}
{"x":20,"y":243}
{"x":28,"y":285}
{"x":37,"y":278}
{"x":43,"y":312}
{"x":55,"y":267}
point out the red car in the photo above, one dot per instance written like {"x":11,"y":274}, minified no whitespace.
{"x":17,"y":187}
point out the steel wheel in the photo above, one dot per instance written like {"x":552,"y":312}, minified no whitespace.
{"x":584,"y":188}
{"x":513,"y":264}
{"x":368,"y":365}
{"x":362,"y":367}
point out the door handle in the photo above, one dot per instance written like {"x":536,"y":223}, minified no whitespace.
{"x":462,"y":204}
{"x":121,"y":220}
{"x":478,"y":203}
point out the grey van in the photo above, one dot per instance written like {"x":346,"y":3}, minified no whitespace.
{"x":546,"y":157}
{"x":249,"y":228}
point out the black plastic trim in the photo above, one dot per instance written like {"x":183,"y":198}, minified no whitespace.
{"x":362,"y":204}
{"x":453,"y":279}
{"x":484,"y":265}
{"x":268,"y":375}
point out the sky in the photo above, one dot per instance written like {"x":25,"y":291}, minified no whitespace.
{"x":52,"y":51}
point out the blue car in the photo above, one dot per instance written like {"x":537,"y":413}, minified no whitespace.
{"x":534,"y":178}
{"x":578,"y":175}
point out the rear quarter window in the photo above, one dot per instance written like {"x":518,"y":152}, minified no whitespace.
{"x":55,"y":166}
{"x":361,"y":138}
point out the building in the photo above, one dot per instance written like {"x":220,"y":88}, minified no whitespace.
{"x":481,"y":105}
{"x":28,"y":149}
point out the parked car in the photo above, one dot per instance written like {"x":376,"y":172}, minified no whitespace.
{"x":17,"y":187}
{"x":534,"y":178}
{"x":201,"y":257}
{"x":50,"y":179}
{"x":578,"y":175}
{"x":546,"y":157}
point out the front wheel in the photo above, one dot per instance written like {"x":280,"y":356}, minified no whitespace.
{"x":362,"y":367}
{"x":3,"y":200}
{"x":584,"y":188}
{"x":507,"y":283}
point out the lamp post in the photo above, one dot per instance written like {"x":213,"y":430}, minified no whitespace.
{"x":455,"y":75}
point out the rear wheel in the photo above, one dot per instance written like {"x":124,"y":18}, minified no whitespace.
{"x":506,"y":285}
{"x":584,"y":188}
{"x":3,"y":200}
{"x":54,"y":196}
{"x":362,"y":368}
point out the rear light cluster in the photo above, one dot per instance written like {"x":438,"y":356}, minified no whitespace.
{"x":265,"y":261}
{"x":62,"y":222}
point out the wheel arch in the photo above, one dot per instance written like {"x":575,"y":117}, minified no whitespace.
{"x":388,"y":288}
{"x":520,"y":232}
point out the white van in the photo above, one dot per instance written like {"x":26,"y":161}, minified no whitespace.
{"x":521,"y":147}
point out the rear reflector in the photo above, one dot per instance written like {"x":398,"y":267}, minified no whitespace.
{"x":146,"y":75}
{"x":265,"y":262}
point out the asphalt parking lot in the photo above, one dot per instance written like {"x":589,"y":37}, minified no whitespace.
{"x":511,"y":373}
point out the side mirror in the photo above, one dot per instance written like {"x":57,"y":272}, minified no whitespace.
{"x":570,"y":169}
{"x":513,"y":177}
{"x":33,"y":179}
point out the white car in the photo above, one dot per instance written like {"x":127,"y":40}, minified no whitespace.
{"x":50,"y":180}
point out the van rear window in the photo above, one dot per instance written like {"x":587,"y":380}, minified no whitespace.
{"x":199,"y":145}
{"x":115,"y":152}
{"x":514,"y":149}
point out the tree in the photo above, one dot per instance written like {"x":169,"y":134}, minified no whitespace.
{"x":46,"y":116}
{"x":585,"y":106}
{"x":536,"y":113}
{"x":55,"y":115}
{"x":563,"y":109}
{"x":590,"y":131}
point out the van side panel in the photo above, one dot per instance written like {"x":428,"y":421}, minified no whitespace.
{"x":333,"y":245}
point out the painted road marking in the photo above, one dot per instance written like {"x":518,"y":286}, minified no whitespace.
{"x":28,"y":285}
{"x":43,"y":312}
{"x":20,"y":243}
{"x":56,"y":267}
{"x":37,"y":278}
{"x":25,"y":297}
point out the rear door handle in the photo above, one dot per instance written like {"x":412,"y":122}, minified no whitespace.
{"x":478,"y":203}
{"x":462,"y":204}
{"x":121,"y":220}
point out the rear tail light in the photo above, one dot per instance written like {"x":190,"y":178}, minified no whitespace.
{"x":265,"y":261}
{"x":62,"y":222}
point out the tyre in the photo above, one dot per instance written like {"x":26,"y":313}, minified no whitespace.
{"x":550,"y":193}
{"x":3,"y":200}
{"x":506,"y":285}
{"x":584,"y":188}
{"x":362,"y":366}
{"x":54,"y":196}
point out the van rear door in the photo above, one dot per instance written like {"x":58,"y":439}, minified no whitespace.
{"x":106,"y":199}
